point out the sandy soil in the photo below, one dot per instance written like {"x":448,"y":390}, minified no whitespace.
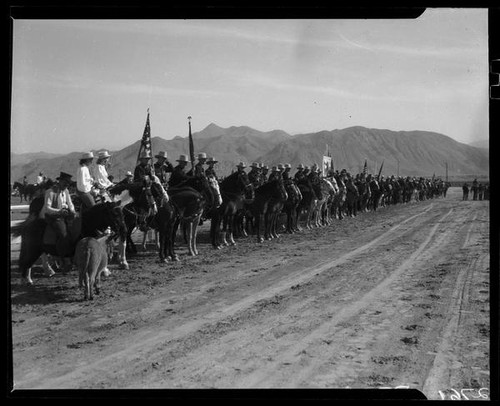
{"x":396,"y":298}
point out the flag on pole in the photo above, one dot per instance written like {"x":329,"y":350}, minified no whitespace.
{"x":146,"y":140}
{"x":365,"y":169}
{"x":191,"y":144}
{"x":380,"y":170}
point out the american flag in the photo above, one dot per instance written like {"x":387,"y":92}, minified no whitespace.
{"x":146,"y":140}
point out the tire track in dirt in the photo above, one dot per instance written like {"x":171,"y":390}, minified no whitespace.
{"x":259,"y":380}
{"x":439,"y":376}
{"x":144,"y":342}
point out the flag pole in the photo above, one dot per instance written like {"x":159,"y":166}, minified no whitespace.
{"x":191,"y":144}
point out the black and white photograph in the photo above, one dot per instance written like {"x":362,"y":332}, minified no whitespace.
{"x":251,"y":204}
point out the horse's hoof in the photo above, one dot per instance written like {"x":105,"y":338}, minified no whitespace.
{"x":176,"y":258}
{"x":106,"y":272}
{"x":124,"y":265}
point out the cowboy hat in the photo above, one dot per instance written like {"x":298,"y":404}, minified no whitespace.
{"x":129,"y":174}
{"x":241,"y":165}
{"x":145,"y":155}
{"x":183,"y":158}
{"x":280,"y":167}
{"x":255,"y":165}
{"x":161,"y":154}
{"x":64,"y":176}
{"x":288,"y":166}
{"x":87,"y":155}
{"x":202,"y":155}
{"x":265,"y":167}
{"x":300,"y":166}
{"x":275,"y":169}
{"x":211,"y":160}
{"x":103,"y":154}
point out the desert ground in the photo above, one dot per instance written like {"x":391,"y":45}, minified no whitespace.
{"x":397,"y":298}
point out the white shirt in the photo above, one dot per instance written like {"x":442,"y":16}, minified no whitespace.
{"x":84,"y":181}
{"x":102,"y":176}
{"x":55,"y":200}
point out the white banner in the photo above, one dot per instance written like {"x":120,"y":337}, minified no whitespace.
{"x":327,"y":165}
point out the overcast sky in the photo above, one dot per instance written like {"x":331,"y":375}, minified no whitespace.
{"x":87,"y":84}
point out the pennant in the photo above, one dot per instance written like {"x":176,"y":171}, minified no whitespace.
{"x":146,"y":140}
{"x":191,"y":144}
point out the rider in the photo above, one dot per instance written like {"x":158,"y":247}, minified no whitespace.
{"x":314,"y":178}
{"x":241,"y":167}
{"x":144,"y":168}
{"x":254,"y":175}
{"x":299,"y":175}
{"x":162,"y":166}
{"x":102,"y":178}
{"x":210,"y":171}
{"x":57,"y":210}
{"x":198,"y":168}
{"x":84,"y":181}
{"x":263,"y":174}
{"x":179,"y":175}
{"x":286,"y":173}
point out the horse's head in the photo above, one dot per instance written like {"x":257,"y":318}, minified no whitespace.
{"x":214,"y":186}
{"x":138,"y":193}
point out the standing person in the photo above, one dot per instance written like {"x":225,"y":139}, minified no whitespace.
{"x":57,"y":210}
{"x":102,"y":177}
{"x":162,"y":167}
{"x":210,"y":171}
{"x":474,"y":189}
{"x":179,"y":174}
{"x":144,"y":167}
{"x":480,"y":191}
{"x":85,"y":182}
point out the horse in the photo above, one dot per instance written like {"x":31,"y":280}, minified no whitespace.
{"x":364,"y":195}
{"x":376,"y":194}
{"x":309,"y":200}
{"x":188,"y":201}
{"x":290,"y":206}
{"x":136,"y":213}
{"x":329,"y":189}
{"x":30,"y":190}
{"x":232,"y":190}
{"x":351,"y":198}
{"x":90,"y":223}
{"x":337,"y":206}
{"x":268,"y":203}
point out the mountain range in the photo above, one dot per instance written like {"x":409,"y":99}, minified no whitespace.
{"x":409,"y":153}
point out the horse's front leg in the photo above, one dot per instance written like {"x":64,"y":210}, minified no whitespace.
{"x":230,"y":228}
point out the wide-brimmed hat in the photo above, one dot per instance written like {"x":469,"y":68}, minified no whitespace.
{"x":202,"y":155}
{"x":103,"y":154}
{"x":241,"y":165}
{"x":145,"y":155}
{"x":87,"y":155}
{"x":265,"y":167}
{"x":183,"y":158}
{"x":306,"y":168}
{"x":129,"y":174}
{"x":280,"y":167}
{"x":255,"y":165}
{"x":300,"y":166}
{"x":211,"y":160}
{"x":275,"y":169}
{"x":64,"y":176}
{"x":161,"y":154}
{"x":288,"y":166}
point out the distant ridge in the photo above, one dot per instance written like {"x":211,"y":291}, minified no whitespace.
{"x":420,"y":153}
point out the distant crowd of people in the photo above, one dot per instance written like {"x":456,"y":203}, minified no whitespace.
{"x":478,"y":190}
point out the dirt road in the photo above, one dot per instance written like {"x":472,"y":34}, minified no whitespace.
{"x":399,"y":297}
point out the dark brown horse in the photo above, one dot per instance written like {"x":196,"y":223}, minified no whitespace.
{"x":290,"y":206}
{"x":266,"y":207}
{"x":232,"y":190}
{"x":310,"y":195}
{"x":188,"y":201}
